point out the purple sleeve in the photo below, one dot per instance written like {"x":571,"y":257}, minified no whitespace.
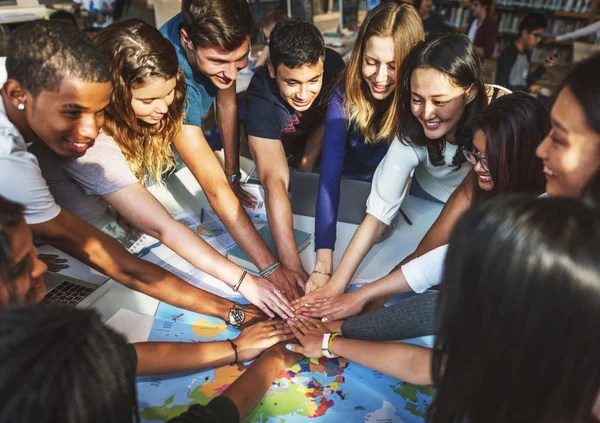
{"x":332,"y":162}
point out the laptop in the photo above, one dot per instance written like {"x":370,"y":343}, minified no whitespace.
{"x":304,"y":189}
{"x":77,"y":286}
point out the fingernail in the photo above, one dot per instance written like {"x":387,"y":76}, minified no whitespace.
{"x":288,"y":347}
{"x":324,"y":319}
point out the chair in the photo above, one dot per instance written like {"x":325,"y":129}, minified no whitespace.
{"x":495,"y":91}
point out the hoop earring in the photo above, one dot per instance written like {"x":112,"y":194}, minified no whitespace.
{"x":21,"y":106}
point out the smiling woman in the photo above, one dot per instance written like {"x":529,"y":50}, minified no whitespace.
{"x":440,"y":89}
{"x":134,"y":149}
{"x":362,"y":117}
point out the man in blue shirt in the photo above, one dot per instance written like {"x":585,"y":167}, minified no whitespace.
{"x":212,"y":41}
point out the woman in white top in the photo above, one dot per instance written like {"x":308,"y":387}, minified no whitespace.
{"x":571,"y":156}
{"x":442,"y":90}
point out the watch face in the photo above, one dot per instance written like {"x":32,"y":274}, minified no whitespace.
{"x":236,"y":315}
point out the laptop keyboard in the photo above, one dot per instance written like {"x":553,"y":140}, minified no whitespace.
{"x":67,"y":293}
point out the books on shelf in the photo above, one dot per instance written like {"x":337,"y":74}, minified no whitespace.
{"x":236,"y":255}
{"x":576,"y":6}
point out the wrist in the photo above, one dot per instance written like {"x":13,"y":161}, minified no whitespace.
{"x":233,"y":177}
{"x":324,"y":261}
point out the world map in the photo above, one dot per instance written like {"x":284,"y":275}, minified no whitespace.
{"x":323,"y":390}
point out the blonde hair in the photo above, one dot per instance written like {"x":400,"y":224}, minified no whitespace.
{"x":402,"y":23}
{"x":137,"y":53}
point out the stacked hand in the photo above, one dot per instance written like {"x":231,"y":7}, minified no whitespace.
{"x":336,"y":308}
{"x":289,"y":282}
{"x":326,"y":292}
{"x":256,"y":338}
{"x":309,"y":332}
{"x":267,"y":297}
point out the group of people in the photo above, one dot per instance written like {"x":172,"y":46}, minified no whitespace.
{"x":507,"y":278}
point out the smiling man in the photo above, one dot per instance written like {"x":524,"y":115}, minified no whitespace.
{"x":212,"y":41}
{"x":284,"y":120}
{"x":55,"y":95}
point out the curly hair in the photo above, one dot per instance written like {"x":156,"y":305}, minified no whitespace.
{"x":138,"y":53}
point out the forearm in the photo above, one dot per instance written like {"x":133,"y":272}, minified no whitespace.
{"x":312,"y":150}
{"x":393,"y":283}
{"x":251,"y":386}
{"x":363,"y":240}
{"x":279,"y":213}
{"x":410,"y":363}
{"x":324,"y":260}
{"x":198,"y":252}
{"x":176,"y":357}
{"x":235,"y":219}
{"x":226,"y":205}
{"x":107,"y":255}
{"x":229,"y":126}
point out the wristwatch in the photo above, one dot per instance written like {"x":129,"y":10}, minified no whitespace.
{"x":236,"y":177}
{"x":236,"y":316}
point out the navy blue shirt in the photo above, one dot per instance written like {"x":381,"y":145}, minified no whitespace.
{"x":201,"y":92}
{"x":345,"y":154}
{"x":269,"y":116}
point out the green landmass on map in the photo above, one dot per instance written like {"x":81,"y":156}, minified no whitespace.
{"x":409,"y":393}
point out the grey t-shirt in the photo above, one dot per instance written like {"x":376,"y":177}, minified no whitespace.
{"x":78,"y":184}
{"x":520,"y":71}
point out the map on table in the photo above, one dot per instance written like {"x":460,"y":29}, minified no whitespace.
{"x":324,"y":390}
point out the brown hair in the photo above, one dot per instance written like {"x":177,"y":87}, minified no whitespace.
{"x":11,"y":214}
{"x":271,"y":18}
{"x":222,"y":23}
{"x":402,"y":23}
{"x":137,"y":53}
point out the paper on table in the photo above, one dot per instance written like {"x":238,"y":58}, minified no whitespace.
{"x":133,"y":326}
{"x":76,"y":269}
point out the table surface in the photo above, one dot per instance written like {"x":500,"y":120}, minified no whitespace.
{"x":183,"y":193}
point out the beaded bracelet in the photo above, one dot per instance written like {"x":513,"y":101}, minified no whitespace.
{"x":239,"y":282}
{"x":234,"y":347}
{"x":322,"y":273}
{"x":267,"y":271}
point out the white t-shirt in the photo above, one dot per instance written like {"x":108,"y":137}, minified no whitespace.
{"x":79,"y":183}
{"x":391,"y":177}
{"x":426,"y":271}
{"x":21,"y":179}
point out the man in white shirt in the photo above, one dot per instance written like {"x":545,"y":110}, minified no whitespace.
{"x":55,"y":94}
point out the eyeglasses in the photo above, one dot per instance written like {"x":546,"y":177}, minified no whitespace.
{"x":473,"y":158}
{"x":537,"y":35}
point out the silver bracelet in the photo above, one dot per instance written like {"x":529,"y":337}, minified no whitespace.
{"x":239,"y":282}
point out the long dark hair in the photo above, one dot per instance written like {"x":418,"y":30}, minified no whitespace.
{"x":583,"y":83}
{"x":514,"y":125}
{"x":61,"y":364}
{"x":517,"y":314}
{"x":454,"y":55}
